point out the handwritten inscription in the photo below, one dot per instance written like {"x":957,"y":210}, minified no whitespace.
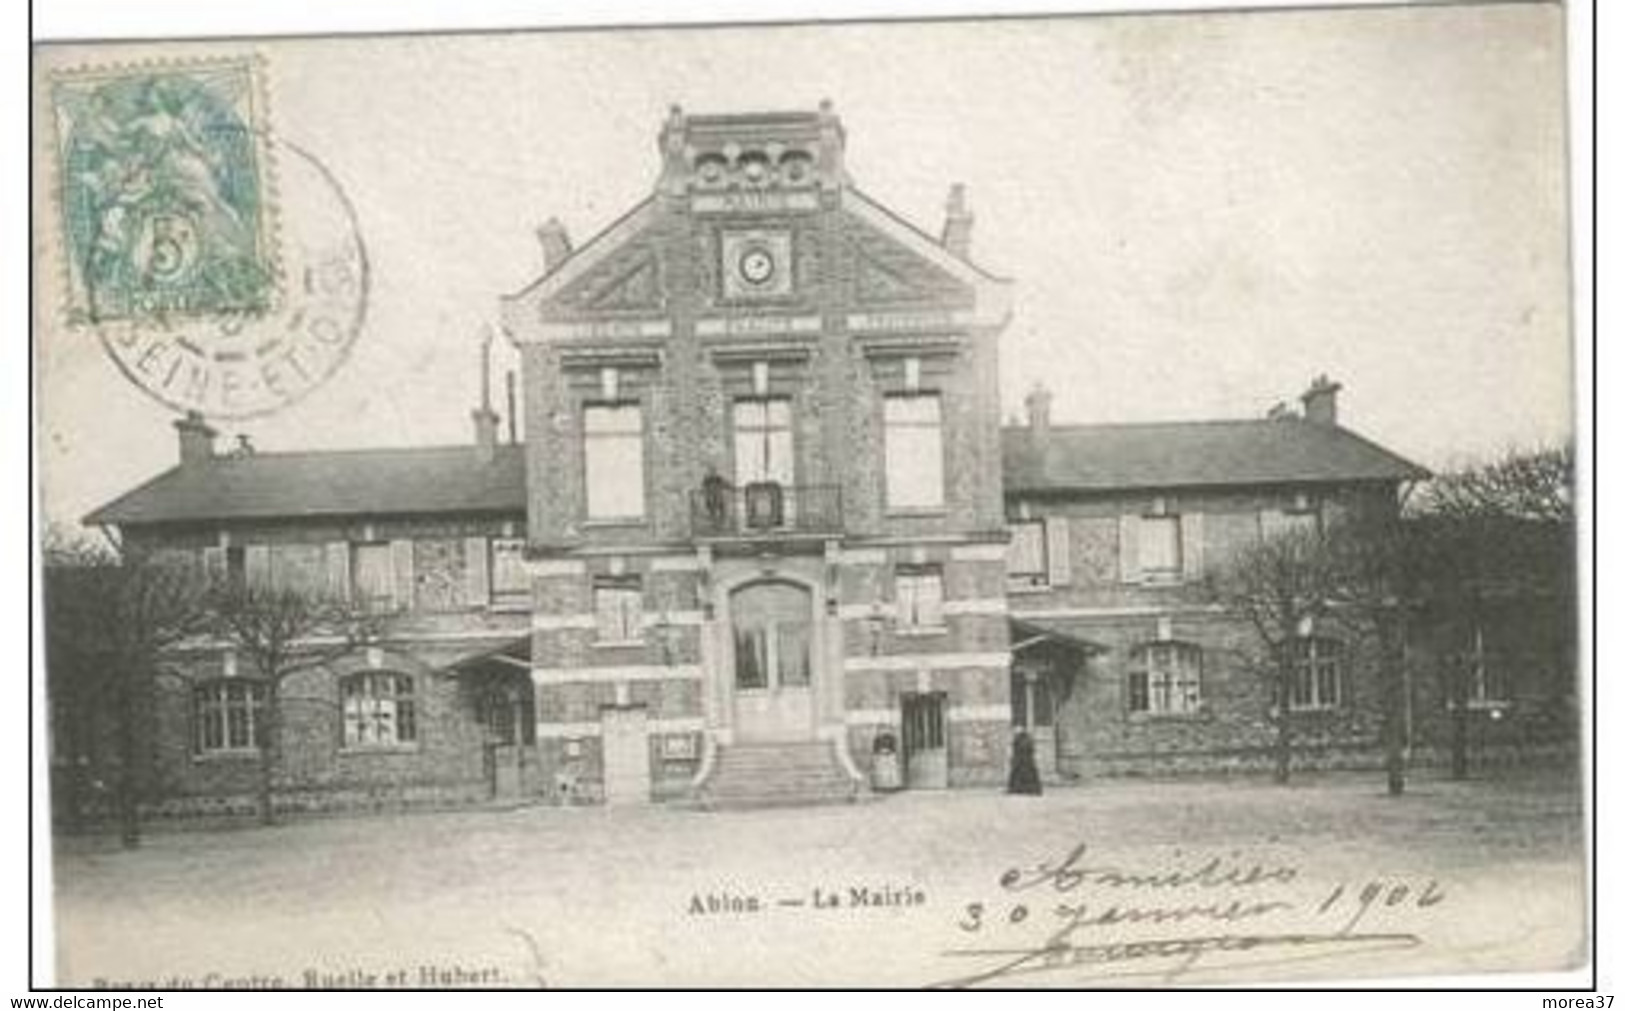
{"x":1212,"y":910}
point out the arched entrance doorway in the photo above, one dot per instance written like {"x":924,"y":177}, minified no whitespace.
{"x":773,"y":661}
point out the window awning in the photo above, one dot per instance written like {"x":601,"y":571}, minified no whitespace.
{"x":511,"y":655}
{"x":1026,"y":635}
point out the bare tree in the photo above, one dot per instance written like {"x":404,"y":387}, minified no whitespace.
{"x":1372,"y":572}
{"x":110,"y":617}
{"x":1499,"y":530}
{"x":1523,"y":484}
{"x":282,"y":631}
{"x":1278,"y":585}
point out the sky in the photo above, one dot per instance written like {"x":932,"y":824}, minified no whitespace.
{"x":1200,"y":212}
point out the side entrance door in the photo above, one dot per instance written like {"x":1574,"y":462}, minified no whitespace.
{"x":925,"y":740}
{"x":626,"y":755}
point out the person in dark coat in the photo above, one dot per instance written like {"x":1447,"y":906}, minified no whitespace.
{"x":714,"y":492}
{"x":1024,"y":766}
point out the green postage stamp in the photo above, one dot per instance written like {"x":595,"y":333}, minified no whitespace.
{"x":164,"y":191}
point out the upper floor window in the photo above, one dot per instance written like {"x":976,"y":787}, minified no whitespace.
{"x":1165,"y":677}
{"x":1317,"y":681}
{"x":1028,"y":564}
{"x":763,"y":446}
{"x":372,"y":576}
{"x":227,"y":715}
{"x":1161,"y":554}
{"x":618,"y":608}
{"x":914,"y":479}
{"x":236,"y":566}
{"x":919,"y":599}
{"x":1301,"y":520}
{"x":508,"y":576}
{"x":613,"y":437}
{"x":379,"y":709}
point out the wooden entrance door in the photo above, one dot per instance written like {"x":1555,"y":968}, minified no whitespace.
{"x":626,"y":755}
{"x":773,"y":662}
{"x":509,"y":714}
{"x":1032,"y":708}
{"x":925,"y":740}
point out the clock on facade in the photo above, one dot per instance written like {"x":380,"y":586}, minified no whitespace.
{"x":756,"y":263}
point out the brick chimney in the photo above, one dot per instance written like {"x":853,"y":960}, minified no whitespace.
{"x":1320,"y":401}
{"x":1038,"y":405}
{"x":555,"y":240}
{"x":957,"y":224}
{"x":485,"y":419}
{"x":196,"y":439}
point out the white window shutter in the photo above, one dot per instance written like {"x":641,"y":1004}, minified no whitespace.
{"x":477,"y":553}
{"x":1057,"y":547}
{"x":338,"y":570}
{"x":1190,"y":545}
{"x":405,"y":578}
{"x":1128,"y":548}
{"x":257,"y":565}
{"x":214,"y":566}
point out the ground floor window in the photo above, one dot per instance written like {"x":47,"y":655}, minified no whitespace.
{"x":618,"y":609}
{"x":228,"y":716}
{"x":1317,"y":673}
{"x":1165,"y":677}
{"x":379,"y":710}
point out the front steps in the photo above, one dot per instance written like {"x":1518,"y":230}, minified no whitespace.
{"x":777,"y":774}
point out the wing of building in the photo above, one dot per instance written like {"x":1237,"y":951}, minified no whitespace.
{"x":764,"y":539}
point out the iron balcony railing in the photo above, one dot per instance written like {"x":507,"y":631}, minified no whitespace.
{"x":765,"y":509}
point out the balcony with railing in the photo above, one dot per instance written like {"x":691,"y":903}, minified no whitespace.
{"x":765,"y":509}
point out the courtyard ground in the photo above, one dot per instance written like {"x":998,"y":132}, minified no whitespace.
{"x":1179,"y":883}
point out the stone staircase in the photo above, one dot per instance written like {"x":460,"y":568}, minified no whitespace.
{"x":777,"y":774}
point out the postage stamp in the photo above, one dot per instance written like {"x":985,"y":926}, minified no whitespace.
{"x":165,"y":191}
{"x":219,"y":263}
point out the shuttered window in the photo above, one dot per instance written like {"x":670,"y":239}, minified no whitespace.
{"x":1160,"y":559}
{"x":508,"y":576}
{"x":373,"y":577}
{"x":1028,"y":564}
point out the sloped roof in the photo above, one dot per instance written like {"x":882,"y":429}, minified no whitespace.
{"x":453,"y":479}
{"x":1196,"y":454}
{"x":437,"y":479}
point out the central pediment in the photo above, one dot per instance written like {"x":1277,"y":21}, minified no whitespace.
{"x":754,"y":216}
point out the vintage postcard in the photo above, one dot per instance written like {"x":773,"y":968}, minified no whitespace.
{"x":1073,"y":501}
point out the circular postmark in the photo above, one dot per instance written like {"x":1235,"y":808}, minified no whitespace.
{"x":238,"y":359}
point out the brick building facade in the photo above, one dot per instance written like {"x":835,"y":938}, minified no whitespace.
{"x":762,"y":533}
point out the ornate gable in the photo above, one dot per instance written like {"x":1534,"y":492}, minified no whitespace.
{"x":887,"y":273}
{"x":630,"y":281}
